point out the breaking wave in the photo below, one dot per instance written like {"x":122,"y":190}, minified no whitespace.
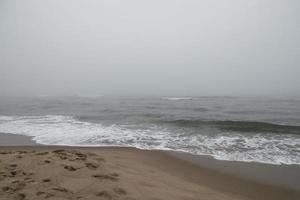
{"x":231,"y":143}
{"x":177,"y":98}
{"x":240,"y":126}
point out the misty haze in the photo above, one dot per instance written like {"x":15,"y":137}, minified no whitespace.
{"x":150,"y":100}
{"x":172,"y":47}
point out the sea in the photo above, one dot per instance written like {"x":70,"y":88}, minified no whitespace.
{"x":247,"y":129}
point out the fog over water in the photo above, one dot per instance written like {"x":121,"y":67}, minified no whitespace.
{"x":206,"y":77}
{"x":159,"y":47}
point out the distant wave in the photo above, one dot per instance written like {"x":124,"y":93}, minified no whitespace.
{"x":177,"y":98}
{"x":90,"y":96}
{"x":239,"y":126}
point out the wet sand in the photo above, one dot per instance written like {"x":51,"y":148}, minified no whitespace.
{"x":7,"y":139}
{"x":287,"y":176}
{"x":56,"y":172}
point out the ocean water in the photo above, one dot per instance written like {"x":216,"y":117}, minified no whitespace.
{"x":256,"y":129}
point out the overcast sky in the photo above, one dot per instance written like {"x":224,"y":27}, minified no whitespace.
{"x":164,"y":47}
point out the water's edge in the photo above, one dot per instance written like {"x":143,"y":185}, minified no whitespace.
{"x":286,"y":176}
{"x":223,"y":145}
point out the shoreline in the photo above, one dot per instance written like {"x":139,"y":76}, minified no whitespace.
{"x":142,"y":174}
{"x":226,"y":177}
{"x":285,"y":176}
{"x":8,"y":139}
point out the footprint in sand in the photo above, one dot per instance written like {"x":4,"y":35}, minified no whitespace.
{"x":70,"y":168}
{"x":58,"y":151}
{"x":13,"y":171}
{"x":42,"y":153}
{"x":47,"y":161}
{"x":29,"y":180}
{"x":20,"y":196}
{"x":91,"y":166}
{"x":91,"y":154}
{"x":5,"y":152}
{"x":22,"y":152}
{"x":46,"y":195}
{"x":70,"y":155}
{"x":44,"y":162}
{"x":120,"y":191}
{"x":39,"y":193}
{"x":13,"y":165}
{"x":14,"y":187}
{"x":2,"y":177}
{"x":6,"y":189}
{"x":61,"y":189}
{"x":46,"y":180}
{"x":105,"y":194}
{"x":100,"y":159}
{"x":111,"y":177}
{"x":17,"y":173}
{"x":62,"y":154}
{"x":111,"y":194}
{"x":80,"y":156}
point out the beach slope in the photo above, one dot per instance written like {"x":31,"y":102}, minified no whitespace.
{"x":49,"y":172}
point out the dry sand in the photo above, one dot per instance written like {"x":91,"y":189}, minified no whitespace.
{"x":49,"y":172}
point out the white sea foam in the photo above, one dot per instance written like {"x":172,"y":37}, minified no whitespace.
{"x":177,"y":98}
{"x":66,"y":130}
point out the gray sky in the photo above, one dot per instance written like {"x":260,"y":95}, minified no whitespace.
{"x":164,"y":47}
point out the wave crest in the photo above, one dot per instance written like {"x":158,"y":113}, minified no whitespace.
{"x":238,"y":126}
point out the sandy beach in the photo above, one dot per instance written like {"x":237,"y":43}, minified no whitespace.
{"x":57,"y":172}
{"x":150,"y":100}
